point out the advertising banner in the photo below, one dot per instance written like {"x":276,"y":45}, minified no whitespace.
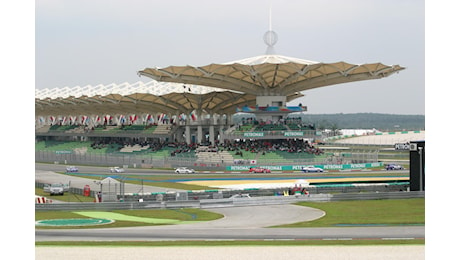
{"x":293,"y":133}
{"x":355,"y":166}
{"x":253,"y":134}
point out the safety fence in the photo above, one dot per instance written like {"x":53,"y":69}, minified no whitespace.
{"x":229,"y":202}
{"x":193,"y":195}
{"x":146,"y":161}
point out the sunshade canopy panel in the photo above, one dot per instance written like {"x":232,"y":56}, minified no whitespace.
{"x":214,"y":88}
{"x":169,"y":98}
{"x":271,"y":74}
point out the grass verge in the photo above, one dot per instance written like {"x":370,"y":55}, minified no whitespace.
{"x":67,"y":197}
{"x":186,"y":214}
{"x":367,"y":212}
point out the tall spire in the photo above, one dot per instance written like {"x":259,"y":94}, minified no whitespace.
{"x":270,"y":36}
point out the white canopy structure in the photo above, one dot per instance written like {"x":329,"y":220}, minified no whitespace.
{"x":162,"y":97}
{"x":271,"y":75}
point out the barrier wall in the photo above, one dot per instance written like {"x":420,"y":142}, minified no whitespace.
{"x":356,"y":166}
{"x":214,"y":203}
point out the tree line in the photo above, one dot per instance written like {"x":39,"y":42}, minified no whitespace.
{"x":382,"y":122}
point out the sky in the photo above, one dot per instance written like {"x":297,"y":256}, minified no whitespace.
{"x":79,"y":43}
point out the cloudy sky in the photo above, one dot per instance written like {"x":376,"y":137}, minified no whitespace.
{"x":89,"y":42}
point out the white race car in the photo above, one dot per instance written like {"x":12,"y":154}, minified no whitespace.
{"x":311,"y":169}
{"x":71,"y":169}
{"x":117,"y":170}
{"x":184,"y":170}
{"x":240,"y":196}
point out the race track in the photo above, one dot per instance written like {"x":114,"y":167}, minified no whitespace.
{"x":239,"y":223}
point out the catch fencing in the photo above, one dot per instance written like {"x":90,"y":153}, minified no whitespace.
{"x":229,"y":202}
{"x":149,"y":161}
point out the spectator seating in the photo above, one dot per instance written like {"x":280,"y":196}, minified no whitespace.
{"x":134,"y":148}
{"x":214,"y":157}
{"x":271,"y":157}
{"x":271,"y":127}
{"x":162,"y":129}
{"x":43,"y":129}
{"x":61,"y":146}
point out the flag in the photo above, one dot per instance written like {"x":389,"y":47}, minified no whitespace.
{"x":132,"y":118}
{"x":150,"y":118}
{"x":193,"y":116}
{"x":122,"y":119}
{"x":107,"y":119}
{"x":160,"y":117}
{"x":73,"y":120}
{"x":84,"y":119}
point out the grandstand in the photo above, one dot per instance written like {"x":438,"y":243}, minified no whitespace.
{"x":242,"y":152}
{"x":184,"y":116}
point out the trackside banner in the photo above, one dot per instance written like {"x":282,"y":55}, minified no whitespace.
{"x":356,"y":166}
{"x":253,"y":134}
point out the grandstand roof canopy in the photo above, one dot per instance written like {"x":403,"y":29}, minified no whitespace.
{"x":271,"y":74}
{"x":151,"y":97}
{"x":214,"y":88}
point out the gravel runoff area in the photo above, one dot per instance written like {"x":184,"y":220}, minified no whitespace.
{"x":412,"y":252}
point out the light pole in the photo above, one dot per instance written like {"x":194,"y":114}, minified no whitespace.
{"x":420,"y":153}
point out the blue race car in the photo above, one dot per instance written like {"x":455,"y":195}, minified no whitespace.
{"x":393,"y":167}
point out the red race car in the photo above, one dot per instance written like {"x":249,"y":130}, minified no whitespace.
{"x":259,"y":170}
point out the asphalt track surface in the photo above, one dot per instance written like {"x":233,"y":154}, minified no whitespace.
{"x":46,"y":173}
{"x":181,"y":232}
{"x":239,"y":223}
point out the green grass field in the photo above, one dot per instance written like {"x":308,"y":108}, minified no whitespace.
{"x":131,"y":218}
{"x":67,"y":197}
{"x":367,"y":212}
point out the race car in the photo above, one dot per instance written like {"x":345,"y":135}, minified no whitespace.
{"x":311,"y":169}
{"x":259,"y":170}
{"x":71,"y":169}
{"x":117,"y":170}
{"x":184,"y":170}
{"x":240,"y":196}
{"x":395,"y":167}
